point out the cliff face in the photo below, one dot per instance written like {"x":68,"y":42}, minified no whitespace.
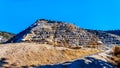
{"x":56,"y":33}
{"x":5,"y":36}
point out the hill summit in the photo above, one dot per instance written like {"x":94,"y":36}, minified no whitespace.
{"x":55,"y":33}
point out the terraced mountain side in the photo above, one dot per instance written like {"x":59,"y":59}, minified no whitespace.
{"x":5,"y":36}
{"x":59,"y":33}
{"x":55,"y":33}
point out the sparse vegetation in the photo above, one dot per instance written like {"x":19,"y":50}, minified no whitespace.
{"x":116,"y":51}
{"x":5,"y":36}
{"x":116,"y":55}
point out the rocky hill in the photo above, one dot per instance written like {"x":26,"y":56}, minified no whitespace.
{"x":5,"y":36}
{"x":56,"y":33}
{"x":59,"y":33}
{"x":33,"y":47}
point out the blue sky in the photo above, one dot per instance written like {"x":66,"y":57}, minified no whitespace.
{"x":16,"y":15}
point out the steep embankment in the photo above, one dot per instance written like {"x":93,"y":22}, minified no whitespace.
{"x":27,"y":54}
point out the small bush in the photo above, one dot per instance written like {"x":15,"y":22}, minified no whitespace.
{"x":116,"y":51}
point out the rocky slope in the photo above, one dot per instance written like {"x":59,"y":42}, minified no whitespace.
{"x":55,"y":33}
{"x":5,"y":36}
{"x":62,"y":34}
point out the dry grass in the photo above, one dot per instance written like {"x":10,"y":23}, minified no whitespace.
{"x":116,"y":51}
{"x":116,"y":55}
{"x":26,"y":54}
{"x":116,"y":59}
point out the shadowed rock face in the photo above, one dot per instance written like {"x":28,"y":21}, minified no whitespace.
{"x":56,"y":33}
